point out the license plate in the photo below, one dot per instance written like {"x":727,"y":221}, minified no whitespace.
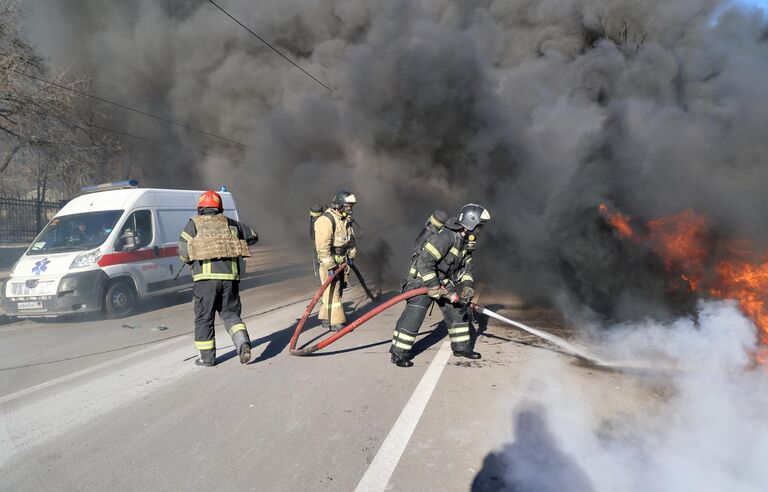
{"x":31,"y":305}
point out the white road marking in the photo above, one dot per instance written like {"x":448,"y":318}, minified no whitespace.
{"x":383,"y":465}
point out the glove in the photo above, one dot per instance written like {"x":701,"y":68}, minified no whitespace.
{"x":436,"y":292}
{"x":350,"y":261}
{"x":467,"y":293}
{"x":450,"y":295}
{"x":330,"y":271}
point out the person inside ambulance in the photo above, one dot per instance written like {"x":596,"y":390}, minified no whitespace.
{"x":214,"y":246}
{"x":105,"y":230}
{"x":74,"y":232}
{"x":80,"y":234}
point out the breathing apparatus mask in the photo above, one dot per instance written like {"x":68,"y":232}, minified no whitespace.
{"x":346,"y":210}
{"x":472,"y":238}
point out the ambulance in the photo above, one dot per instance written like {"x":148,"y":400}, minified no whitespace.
{"x":106,"y":250}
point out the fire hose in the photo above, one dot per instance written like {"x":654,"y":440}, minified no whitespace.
{"x":563,"y":344}
{"x":350,"y":327}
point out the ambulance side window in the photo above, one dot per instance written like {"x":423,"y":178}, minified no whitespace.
{"x":136,"y":232}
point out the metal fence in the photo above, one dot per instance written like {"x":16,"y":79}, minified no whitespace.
{"x":22,"y":219}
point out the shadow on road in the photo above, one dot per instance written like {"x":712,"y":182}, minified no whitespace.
{"x":534,"y":462}
{"x":358,"y":313}
{"x":427,"y":340}
{"x":276,"y":342}
{"x":433,"y":337}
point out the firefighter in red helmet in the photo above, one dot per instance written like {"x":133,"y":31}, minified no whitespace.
{"x":214,"y":246}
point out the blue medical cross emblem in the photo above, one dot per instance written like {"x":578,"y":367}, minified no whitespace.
{"x":40,"y":266}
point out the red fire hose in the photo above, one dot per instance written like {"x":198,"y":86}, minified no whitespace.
{"x":362,"y":319}
{"x":312,"y":303}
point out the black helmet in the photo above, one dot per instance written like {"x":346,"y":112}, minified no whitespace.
{"x":342,"y":198}
{"x":472,"y":215}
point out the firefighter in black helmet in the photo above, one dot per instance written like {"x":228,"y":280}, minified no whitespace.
{"x":334,"y":245}
{"x":444,"y":266}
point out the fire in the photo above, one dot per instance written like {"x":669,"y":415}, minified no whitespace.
{"x":685,"y":245}
{"x":618,"y":221}
{"x":680,"y":241}
{"x":748,"y":284}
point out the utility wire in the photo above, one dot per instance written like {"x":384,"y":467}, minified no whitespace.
{"x":269,"y":45}
{"x":123,"y":106}
{"x":165,"y":144}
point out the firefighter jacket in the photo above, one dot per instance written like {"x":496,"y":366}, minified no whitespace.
{"x":334,"y":239}
{"x":215,"y":269}
{"x":444,"y":260}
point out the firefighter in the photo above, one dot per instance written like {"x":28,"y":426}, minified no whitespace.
{"x":335,"y":244}
{"x":444,"y":266}
{"x":214,"y":245}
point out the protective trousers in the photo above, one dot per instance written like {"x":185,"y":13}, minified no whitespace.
{"x":332,"y":309}
{"x":456,"y":319}
{"x":222,"y":296}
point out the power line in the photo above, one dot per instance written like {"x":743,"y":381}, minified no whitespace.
{"x":269,"y":45}
{"x":165,"y":144}
{"x":123,"y":106}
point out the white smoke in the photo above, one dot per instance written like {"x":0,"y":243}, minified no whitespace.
{"x":702,"y":425}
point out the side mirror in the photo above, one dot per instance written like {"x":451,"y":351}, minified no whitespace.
{"x":130,"y":241}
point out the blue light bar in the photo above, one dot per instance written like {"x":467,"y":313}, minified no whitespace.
{"x":114,"y":185}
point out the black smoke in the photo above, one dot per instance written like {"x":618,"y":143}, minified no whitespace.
{"x":539,"y":110}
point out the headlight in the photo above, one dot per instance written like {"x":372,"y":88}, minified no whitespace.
{"x":86,"y":259}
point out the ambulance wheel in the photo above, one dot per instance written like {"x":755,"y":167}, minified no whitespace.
{"x":119,"y":299}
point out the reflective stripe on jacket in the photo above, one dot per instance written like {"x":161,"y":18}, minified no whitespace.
{"x":444,"y":259}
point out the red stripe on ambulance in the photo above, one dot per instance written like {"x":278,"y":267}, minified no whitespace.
{"x":136,"y":256}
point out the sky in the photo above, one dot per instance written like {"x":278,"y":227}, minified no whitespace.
{"x":760,"y":3}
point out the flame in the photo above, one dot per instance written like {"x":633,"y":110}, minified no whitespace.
{"x":680,"y":241}
{"x":747,"y":283}
{"x":618,"y":221}
{"x":685,"y":245}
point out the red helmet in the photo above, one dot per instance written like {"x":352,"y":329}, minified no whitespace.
{"x":210,"y":199}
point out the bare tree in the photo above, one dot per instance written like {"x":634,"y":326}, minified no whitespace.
{"x":57,"y":134}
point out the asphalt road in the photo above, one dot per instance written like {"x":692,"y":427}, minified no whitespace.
{"x":89,"y":404}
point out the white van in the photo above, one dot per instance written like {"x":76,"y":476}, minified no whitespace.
{"x":105,"y":250}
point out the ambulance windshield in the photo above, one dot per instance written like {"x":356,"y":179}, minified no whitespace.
{"x":77,"y":232}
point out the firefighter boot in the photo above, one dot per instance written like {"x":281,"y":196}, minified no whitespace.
{"x":325,"y":324}
{"x":207,"y":358}
{"x":243,"y":344}
{"x":401,"y":360}
{"x":338,"y":327}
{"x":469,"y":354}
